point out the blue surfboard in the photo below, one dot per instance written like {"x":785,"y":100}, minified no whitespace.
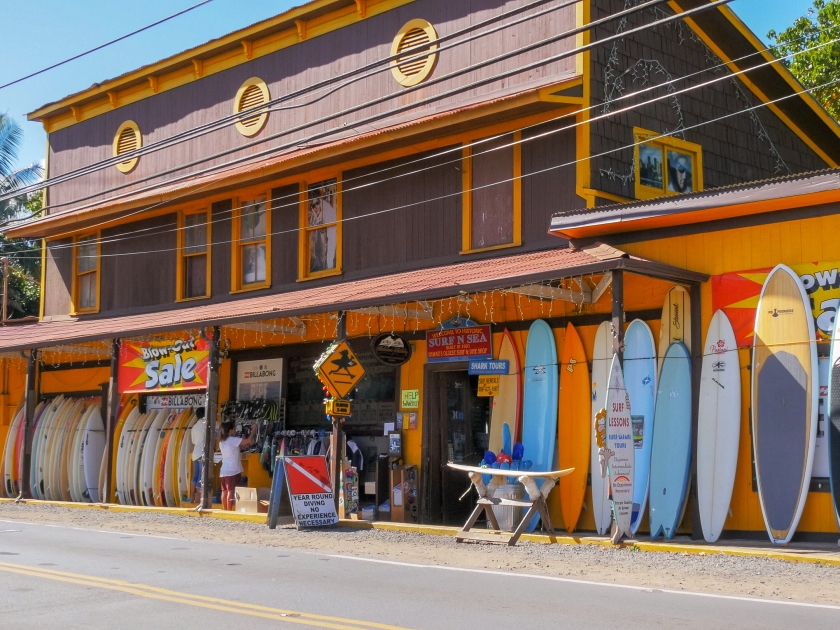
{"x":539,"y":414}
{"x":640,"y":382}
{"x":670,"y":462}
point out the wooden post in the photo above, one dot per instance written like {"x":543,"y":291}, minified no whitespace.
{"x":30,"y":401}
{"x":617,"y":321}
{"x":5,"y":289}
{"x":211,"y":401}
{"x":696,"y":367}
{"x":337,"y":428}
{"x":110,"y":404}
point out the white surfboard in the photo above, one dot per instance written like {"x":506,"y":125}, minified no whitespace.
{"x":39,"y":443}
{"x":8,"y":452}
{"x":602,"y":355}
{"x":137,"y":460}
{"x":184,"y":461}
{"x":94,"y":441}
{"x":719,"y":425}
{"x":75,"y":459}
{"x":152,"y":441}
{"x":122,"y":453}
{"x":169,"y":460}
{"x":129,"y":475}
{"x":620,"y":449}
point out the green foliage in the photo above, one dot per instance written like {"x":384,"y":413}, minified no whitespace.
{"x":814,"y":67}
{"x":24,"y":255}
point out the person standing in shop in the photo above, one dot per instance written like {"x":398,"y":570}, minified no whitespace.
{"x":231,"y":473}
{"x":197,"y":437}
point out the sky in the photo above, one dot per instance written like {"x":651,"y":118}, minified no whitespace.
{"x":39,"y":33}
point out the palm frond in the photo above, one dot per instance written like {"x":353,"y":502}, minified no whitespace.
{"x":22,"y":177}
{"x":11,"y":136}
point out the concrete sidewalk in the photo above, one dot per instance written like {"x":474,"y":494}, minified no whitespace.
{"x":822,"y":553}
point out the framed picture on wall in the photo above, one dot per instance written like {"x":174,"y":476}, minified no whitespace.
{"x":259,"y":379}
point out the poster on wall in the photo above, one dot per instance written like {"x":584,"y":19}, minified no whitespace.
{"x":737,"y":295}
{"x":163,"y":366}
{"x":259,"y":379}
{"x":459,"y":341}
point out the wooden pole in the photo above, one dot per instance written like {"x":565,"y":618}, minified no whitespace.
{"x":337,"y":428}
{"x":110,"y":402}
{"x":211,"y":400}
{"x":5,"y":289}
{"x":30,"y":401}
{"x":617,"y":321}
{"x":696,"y":367}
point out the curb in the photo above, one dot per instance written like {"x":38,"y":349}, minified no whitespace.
{"x":808,"y":556}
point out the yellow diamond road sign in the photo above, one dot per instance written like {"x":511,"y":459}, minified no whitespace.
{"x":340,"y":370}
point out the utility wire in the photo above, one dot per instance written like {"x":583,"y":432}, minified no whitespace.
{"x":105,"y":45}
{"x":458,"y":149}
{"x":514,"y":178}
{"x":391,"y":112}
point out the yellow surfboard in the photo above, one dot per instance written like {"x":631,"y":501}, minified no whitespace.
{"x":507,"y":406}
{"x":676,"y":321}
{"x":573,"y":426}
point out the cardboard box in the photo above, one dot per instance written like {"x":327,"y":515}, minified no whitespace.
{"x":252,"y":500}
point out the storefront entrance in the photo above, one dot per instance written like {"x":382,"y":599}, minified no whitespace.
{"x":457,"y":432}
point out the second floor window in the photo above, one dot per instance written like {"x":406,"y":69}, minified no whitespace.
{"x":252,"y":226}
{"x":321,"y":234}
{"x":86,"y":274}
{"x":194,"y":260}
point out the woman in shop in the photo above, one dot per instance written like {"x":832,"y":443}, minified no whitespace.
{"x":231,"y":473}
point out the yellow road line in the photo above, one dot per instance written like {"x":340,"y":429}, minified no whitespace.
{"x":213,"y":603}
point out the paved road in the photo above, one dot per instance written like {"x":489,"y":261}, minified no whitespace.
{"x":67,"y":577}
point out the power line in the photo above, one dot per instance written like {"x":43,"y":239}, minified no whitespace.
{"x":459,"y":148}
{"x":520,"y":177}
{"x":105,"y":45}
{"x":269,"y":105}
{"x":393,"y":111}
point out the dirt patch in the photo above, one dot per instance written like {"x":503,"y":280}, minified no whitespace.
{"x":713,"y":573}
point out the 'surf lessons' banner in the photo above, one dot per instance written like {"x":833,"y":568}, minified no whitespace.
{"x":737,"y":295}
{"x":163,"y":366}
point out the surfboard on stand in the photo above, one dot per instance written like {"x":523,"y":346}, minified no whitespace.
{"x":11,"y":438}
{"x":675,"y":324}
{"x":136,"y":471}
{"x":574,"y":428}
{"x":184,"y":454}
{"x":784,"y":401}
{"x":620,"y":450}
{"x":94,"y":441}
{"x":670,"y":464}
{"x":640,"y":381}
{"x":152,"y":440}
{"x":75,"y":459}
{"x":539,"y":415}
{"x":507,"y":405}
{"x":718,"y":425}
{"x":602,"y":354}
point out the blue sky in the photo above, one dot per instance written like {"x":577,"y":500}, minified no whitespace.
{"x":39,"y":33}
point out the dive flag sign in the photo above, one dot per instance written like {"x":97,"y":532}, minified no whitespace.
{"x":339,"y":369}
{"x":310,"y":491}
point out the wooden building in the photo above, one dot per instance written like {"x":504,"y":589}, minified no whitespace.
{"x":398,"y":163}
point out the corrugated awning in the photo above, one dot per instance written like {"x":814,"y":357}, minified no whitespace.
{"x":422,"y":284}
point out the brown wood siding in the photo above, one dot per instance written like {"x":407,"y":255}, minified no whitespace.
{"x":304,"y":64}
{"x":545,"y":192}
{"x":285,"y":219}
{"x":420,"y":218}
{"x":492,"y":193}
{"x":58,"y":277}
{"x":220,"y":250}
{"x":737,"y":149}
{"x":138,"y":271}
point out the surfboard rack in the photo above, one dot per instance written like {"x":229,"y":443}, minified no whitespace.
{"x":535,"y":503}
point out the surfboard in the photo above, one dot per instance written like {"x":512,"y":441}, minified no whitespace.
{"x":574,"y":427}
{"x":620,"y":448}
{"x":670,"y":463}
{"x":496,"y":472}
{"x":675,"y":324}
{"x":160,"y":458}
{"x":539,"y":416}
{"x":129,"y":463}
{"x":152,"y":440}
{"x":602,"y":353}
{"x":834,"y":420}
{"x":184,"y":454}
{"x":74,"y":459}
{"x":128,"y":408}
{"x":784,"y":401}
{"x":507,"y":405}
{"x":137,"y":462}
{"x":640,"y":381}
{"x":64,"y":473}
{"x":38,"y":445}
{"x":94,"y":441}
{"x":718,"y":425}
{"x":8,"y":450}
{"x":121,"y":451}
{"x":168,"y":463}
{"x":40,"y":471}
{"x":53,"y":450}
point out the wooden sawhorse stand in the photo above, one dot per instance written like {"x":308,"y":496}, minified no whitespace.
{"x":535,"y":503}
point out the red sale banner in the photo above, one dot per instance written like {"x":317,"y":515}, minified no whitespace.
{"x":163,"y":366}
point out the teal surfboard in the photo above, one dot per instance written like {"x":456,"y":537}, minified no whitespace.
{"x":539,"y":413}
{"x":670,"y":462}
{"x":640,"y":382}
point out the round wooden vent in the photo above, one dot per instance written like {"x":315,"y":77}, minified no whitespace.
{"x":127,"y":139}
{"x":413,"y":39}
{"x":253,"y":93}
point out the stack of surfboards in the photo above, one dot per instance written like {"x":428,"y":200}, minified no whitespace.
{"x":153,"y":462}
{"x":68,"y":443}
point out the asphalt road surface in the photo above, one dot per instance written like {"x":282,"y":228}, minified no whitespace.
{"x":68,"y":577}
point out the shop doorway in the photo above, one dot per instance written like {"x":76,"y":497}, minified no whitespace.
{"x":456,"y":431}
